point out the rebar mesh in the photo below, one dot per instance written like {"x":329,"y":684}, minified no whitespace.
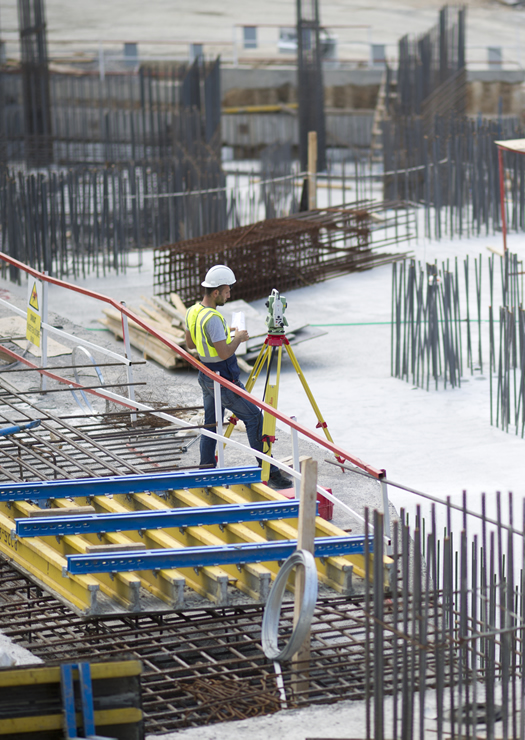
{"x":288,"y":252}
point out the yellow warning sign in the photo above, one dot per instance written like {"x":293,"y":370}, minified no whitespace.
{"x":33,"y":299}
{"x":33,"y":327}
{"x":34,"y":314}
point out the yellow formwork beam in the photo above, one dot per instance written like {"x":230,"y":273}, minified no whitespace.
{"x":124,"y":588}
{"x":51,"y":674}
{"x":268,"y":108}
{"x":252,"y":579}
{"x":166,"y":585}
{"x":322,"y":529}
{"x":43,"y":562}
{"x":335,"y":572}
{"x":47,"y":722}
{"x":45,"y":557}
{"x":210,"y":582}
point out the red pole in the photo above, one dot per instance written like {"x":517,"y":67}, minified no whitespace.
{"x":502,"y":198}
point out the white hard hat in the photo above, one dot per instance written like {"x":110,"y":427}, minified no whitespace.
{"x":218,"y":275}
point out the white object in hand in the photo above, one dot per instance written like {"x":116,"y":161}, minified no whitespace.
{"x":239,"y":324}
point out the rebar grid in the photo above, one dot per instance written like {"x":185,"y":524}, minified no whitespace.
{"x":188,"y":655}
{"x":83,"y":447}
{"x":287,"y":252}
{"x":443,"y":627}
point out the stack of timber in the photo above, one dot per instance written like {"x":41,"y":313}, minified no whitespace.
{"x":166,"y":318}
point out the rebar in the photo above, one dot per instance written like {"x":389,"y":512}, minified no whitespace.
{"x":288,"y":252}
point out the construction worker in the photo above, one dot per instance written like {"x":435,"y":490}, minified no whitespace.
{"x":208,"y":333}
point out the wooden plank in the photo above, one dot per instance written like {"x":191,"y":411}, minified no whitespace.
{"x":164,"y":323}
{"x":151,"y":347}
{"x":169,"y":309}
{"x":56,"y":511}
{"x":36,"y":557}
{"x":179,"y":305}
{"x":305,"y":541}
{"x":140,"y":334}
{"x":128,"y":547}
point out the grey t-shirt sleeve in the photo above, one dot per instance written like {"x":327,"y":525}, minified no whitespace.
{"x":214,"y":330}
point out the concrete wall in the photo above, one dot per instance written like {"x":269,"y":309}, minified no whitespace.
{"x":248,"y":133}
{"x":275,"y":77}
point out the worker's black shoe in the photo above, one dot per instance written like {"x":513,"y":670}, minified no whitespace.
{"x":278,"y":480}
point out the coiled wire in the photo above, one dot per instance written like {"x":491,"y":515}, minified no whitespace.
{"x":272,"y":611}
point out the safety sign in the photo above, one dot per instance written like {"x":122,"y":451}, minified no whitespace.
{"x":34,"y":311}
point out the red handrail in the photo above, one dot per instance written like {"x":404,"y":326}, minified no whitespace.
{"x":339,"y":451}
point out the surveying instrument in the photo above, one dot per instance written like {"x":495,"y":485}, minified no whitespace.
{"x":273,"y":345}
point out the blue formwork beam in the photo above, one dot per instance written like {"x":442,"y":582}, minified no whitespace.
{"x":143,"y":520}
{"x":198,"y":557}
{"x":152,"y":482}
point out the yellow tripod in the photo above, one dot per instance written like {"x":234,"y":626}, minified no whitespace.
{"x":273,"y":343}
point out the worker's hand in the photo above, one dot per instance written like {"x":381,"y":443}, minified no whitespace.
{"x":242,"y":336}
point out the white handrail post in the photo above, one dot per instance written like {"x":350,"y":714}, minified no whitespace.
{"x":218,"y":419}
{"x":295,"y":457}
{"x":127,"y":346}
{"x":387,"y":531}
{"x":43,"y":343}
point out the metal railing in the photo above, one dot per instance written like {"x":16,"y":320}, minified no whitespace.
{"x":295,"y":427}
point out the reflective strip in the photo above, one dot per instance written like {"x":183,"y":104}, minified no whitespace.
{"x":207,"y":352}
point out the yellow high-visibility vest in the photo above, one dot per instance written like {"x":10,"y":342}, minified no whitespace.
{"x":196,"y":318}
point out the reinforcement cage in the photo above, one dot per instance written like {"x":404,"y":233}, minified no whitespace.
{"x":286,"y":253}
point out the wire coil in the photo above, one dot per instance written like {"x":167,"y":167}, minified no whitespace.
{"x":272,"y":612}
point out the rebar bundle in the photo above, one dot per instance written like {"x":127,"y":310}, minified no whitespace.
{"x":131,"y":150}
{"x":431,"y":71}
{"x":35,"y":82}
{"x":287,"y":252}
{"x":139,"y":117}
{"x":428,"y":332}
{"x":310,"y":88}
{"x":433,"y":153}
{"x":426,"y":336}
{"x":507,"y":352}
{"x":82,"y":220}
{"x":94,"y":166}
{"x":453,"y":172}
{"x":431,"y":341}
{"x":452,"y":632}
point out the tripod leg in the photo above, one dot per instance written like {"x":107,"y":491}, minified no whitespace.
{"x":258,"y":366}
{"x":321,"y":422}
{"x":271,"y":397}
